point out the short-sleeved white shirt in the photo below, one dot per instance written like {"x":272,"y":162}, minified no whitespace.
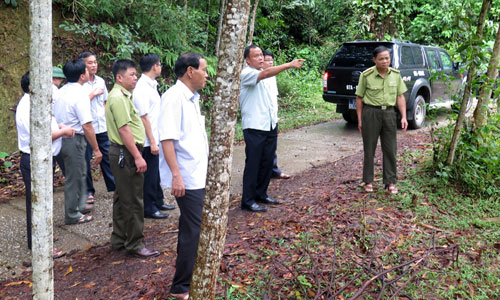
{"x":255,"y":102}
{"x":97,"y":104}
{"x":182,"y":122}
{"x":147,"y":102}
{"x":273,"y":90}
{"x":55,"y":92}
{"x":23,"y":127}
{"x":72,"y":106}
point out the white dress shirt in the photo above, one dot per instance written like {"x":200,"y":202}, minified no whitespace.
{"x":147,"y":102}
{"x":72,"y":107}
{"x":97,"y":104}
{"x":273,"y":90}
{"x":182,"y":122}
{"x":255,"y":101}
{"x":23,"y":127}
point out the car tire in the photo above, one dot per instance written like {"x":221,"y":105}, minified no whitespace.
{"x":350,"y":116}
{"x":418,"y":113}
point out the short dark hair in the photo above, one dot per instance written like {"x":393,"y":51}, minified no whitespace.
{"x":25,"y":82}
{"x":122,"y":65}
{"x":73,"y":69}
{"x":267,"y":53}
{"x":148,"y":61}
{"x":86,"y":54}
{"x":247,"y":50}
{"x":379,"y":50}
{"x":190,"y":59}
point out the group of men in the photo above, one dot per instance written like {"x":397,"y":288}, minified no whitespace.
{"x":146,"y":142}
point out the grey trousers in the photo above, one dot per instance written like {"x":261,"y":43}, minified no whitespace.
{"x":383,"y":123}
{"x":75,"y":186}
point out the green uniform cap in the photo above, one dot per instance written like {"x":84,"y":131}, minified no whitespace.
{"x":57,"y":73}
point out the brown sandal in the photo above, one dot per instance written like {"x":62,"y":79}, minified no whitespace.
{"x":391,"y":189}
{"x":56,"y":253}
{"x":368,"y":188}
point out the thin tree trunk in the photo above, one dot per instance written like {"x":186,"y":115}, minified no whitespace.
{"x":216,"y":204}
{"x":472,"y":70}
{"x":219,"y":27}
{"x":480,"y":114}
{"x":41,"y":147}
{"x":208,"y":25}
{"x":252,"y":22}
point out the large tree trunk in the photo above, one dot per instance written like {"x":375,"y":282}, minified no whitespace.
{"x":219,"y":27}
{"x":472,"y":70}
{"x":216,"y":204}
{"x":41,"y":147}
{"x":480,"y":114}
{"x":252,"y":22}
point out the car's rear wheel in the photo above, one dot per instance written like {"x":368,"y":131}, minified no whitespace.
{"x":350,"y":116}
{"x":418,"y":113}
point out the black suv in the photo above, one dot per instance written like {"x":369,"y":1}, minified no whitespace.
{"x":415,"y":62}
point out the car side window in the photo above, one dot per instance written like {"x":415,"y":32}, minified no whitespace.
{"x":417,"y":56}
{"x":433,"y":59}
{"x":406,"y":56}
{"x":446,"y":60}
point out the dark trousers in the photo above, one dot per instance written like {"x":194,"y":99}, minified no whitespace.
{"x":383,"y":123}
{"x":260,"y":147}
{"x":191,"y":208}
{"x":276,"y":171}
{"x":128,"y":207}
{"x":103,"y":142}
{"x":26,"y":173}
{"x":153,"y":193}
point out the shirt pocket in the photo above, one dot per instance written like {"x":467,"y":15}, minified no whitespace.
{"x":374,"y":91}
{"x":392,"y":88}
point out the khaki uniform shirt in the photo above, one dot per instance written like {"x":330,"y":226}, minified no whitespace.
{"x":120,"y":111}
{"x":378,"y":91}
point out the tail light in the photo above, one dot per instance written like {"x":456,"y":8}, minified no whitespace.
{"x":325,"y":81}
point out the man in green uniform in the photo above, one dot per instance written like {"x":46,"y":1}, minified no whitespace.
{"x":127,"y":136}
{"x":380,"y":89}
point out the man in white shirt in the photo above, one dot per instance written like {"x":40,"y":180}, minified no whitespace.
{"x":259,"y":128}
{"x":72,"y":109}
{"x":57,"y":79}
{"x":23,"y":142}
{"x":184,"y":161}
{"x":98,"y":94}
{"x":147,"y":102}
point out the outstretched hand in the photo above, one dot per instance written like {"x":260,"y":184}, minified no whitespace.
{"x":297,"y":63}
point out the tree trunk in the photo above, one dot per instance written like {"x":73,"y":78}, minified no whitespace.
{"x":216,"y":204}
{"x":41,"y":147}
{"x":208,"y":25}
{"x":219,"y":27}
{"x":480,"y":114}
{"x":252,"y":22}
{"x":472,"y":70}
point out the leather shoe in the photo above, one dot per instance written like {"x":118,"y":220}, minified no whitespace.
{"x":156,"y":215}
{"x":183,"y":296}
{"x":254,"y":207}
{"x":268,"y":200}
{"x":166,"y":207}
{"x":145,"y":252}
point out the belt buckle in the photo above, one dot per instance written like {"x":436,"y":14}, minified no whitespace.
{"x":383,"y":107}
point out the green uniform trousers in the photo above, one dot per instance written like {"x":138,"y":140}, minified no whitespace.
{"x":377,"y":122}
{"x":128,"y":204}
{"x":75,"y":185}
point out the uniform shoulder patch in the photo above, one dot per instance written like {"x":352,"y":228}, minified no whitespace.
{"x":368,"y":71}
{"x":394,"y":70}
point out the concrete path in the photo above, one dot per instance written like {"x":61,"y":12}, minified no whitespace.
{"x":298,"y":150}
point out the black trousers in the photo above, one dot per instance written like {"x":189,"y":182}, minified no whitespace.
{"x":153,"y":193}
{"x":191,"y":207}
{"x":260,"y":147}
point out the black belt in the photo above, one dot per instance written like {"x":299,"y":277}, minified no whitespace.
{"x":382,"y":107}
{"x":139,"y":147}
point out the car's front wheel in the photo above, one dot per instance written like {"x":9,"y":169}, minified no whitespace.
{"x":350,"y":116}
{"x":418,"y":113}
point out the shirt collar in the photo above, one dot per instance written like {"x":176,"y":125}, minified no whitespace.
{"x":152,"y":82}
{"x":124,"y":91}
{"x":186,"y":91}
{"x":378,"y":74}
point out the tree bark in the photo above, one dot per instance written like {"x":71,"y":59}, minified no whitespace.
{"x":480,"y":114}
{"x":216,"y":204}
{"x":41,"y":147}
{"x":472,"y":70}
{"x":219,"y":27}
{"x":252,"y":22}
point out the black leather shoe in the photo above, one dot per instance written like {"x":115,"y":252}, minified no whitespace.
{"x":156,"y":215}
{"x":268,"y":200}
{"x":166,"y":207}
{"x":254,"y":208}
{"x":145,"y":253}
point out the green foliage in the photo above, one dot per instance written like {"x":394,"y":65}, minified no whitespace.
{"x":477,"y":165}
{"x":11,"y":2}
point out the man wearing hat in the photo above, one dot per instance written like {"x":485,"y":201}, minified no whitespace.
{"x":57,"y":79}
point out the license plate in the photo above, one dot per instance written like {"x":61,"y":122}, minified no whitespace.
{"x":352,"y":104}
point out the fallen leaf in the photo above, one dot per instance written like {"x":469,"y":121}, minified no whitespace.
{"x":70,"y":269}
{"x":156,"y":271}
{"x":75,"y":284}
{"x":117,"y":262}
{"x":90,"y":285}
{"x":380,"y":208}
{"x":19,"y":283}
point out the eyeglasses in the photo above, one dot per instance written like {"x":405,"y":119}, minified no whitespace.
{"x":159,"y":64}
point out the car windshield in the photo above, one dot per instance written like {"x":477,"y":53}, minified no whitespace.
{"x":356,"y":55}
